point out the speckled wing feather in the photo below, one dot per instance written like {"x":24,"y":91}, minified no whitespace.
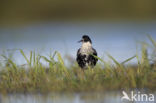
{"x":91,"y":59}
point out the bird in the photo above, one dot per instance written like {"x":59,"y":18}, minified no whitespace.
{"x":86,"y":54}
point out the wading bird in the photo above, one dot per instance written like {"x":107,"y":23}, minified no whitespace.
{"x":85,"y":54}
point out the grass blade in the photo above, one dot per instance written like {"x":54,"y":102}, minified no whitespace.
{"x":153,"y":41}
{"x":34,"y":58}
{"x":30,"y":58}
{"x":10,"y":61}
{"x":24,"y":56}
{"x":46,"y":59}
{"x":60,"y":58}
{"x":115,"y":61}
{"x":106,"y":64}
{"x":128,"y":59}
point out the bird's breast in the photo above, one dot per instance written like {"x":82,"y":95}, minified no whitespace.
{"x":86,"y":51}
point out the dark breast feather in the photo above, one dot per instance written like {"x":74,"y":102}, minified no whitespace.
{"x":81,"y":59}
{"x":91,"y":60}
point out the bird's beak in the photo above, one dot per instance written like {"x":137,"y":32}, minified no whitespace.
{"x":80,"y":41}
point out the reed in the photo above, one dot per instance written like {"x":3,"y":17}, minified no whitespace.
{"x":57,"y":77}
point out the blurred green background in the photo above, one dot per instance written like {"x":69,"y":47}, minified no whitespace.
{"x":116,"y":27}
{"x":28,"y":11}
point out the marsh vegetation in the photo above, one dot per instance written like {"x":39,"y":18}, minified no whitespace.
{"x":57,"y":77}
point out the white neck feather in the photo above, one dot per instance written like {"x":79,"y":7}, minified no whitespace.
{"x":86,"y":48}
{"x":86,"y":45}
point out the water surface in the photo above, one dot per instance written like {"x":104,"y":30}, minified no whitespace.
{"x":87,"y":97}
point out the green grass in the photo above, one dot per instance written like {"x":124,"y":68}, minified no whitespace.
{"x":58,"y":78}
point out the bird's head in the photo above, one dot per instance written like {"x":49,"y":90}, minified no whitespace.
{"x":85,"y":39}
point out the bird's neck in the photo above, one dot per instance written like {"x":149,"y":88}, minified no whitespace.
{"x":86,"y":45}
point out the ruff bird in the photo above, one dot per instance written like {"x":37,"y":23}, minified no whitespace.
{"x":85,"y":54}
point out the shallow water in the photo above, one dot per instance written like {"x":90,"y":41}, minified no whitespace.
{"x":88,"y":97}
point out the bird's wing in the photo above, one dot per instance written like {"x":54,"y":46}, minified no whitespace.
{"x":78,"y":55}
{"x":94,"y":52}
{"x":94,"y":58}
{"x":78,"y":52}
